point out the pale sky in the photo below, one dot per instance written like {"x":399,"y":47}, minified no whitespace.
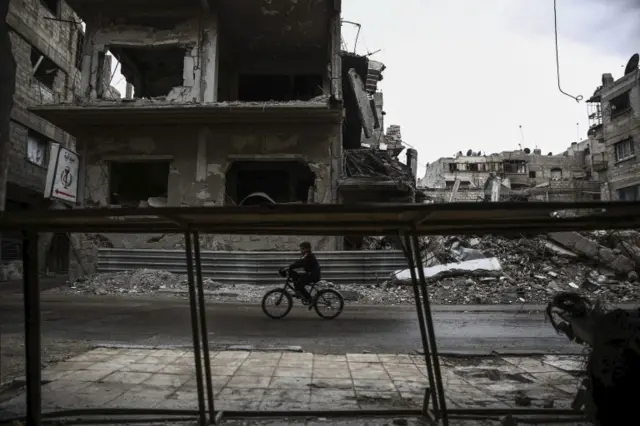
{"x":465,"y":74}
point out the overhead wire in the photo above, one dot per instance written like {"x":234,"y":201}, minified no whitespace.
{"x":555,"y":28}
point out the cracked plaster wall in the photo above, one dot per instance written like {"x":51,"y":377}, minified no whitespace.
{"x":200,"y":158}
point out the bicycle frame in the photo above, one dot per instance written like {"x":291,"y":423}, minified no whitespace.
{"x":289,"y":286}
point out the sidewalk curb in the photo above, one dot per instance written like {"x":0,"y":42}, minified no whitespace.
{"x":239,"y":348}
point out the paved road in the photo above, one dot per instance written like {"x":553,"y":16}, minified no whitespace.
{"x":152,"y":321}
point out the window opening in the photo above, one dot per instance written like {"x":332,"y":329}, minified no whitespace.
{"x":37,"y":145}
{"x":624,"y":149}
{"x":620,"y":104}
{"x":133,"y":183}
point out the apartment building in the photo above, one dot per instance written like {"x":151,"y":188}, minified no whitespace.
{"x":614,"y":115}
{"x":230,"y":102}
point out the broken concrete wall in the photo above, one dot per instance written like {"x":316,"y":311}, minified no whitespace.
{"x":195,"y":37}
{"x":200,"y":158}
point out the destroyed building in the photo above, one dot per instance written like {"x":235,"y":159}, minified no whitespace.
{"x":614,"y":128}
{"x":513,"y":175}
{"x":227,"y":103}
{"x":47,"y":41}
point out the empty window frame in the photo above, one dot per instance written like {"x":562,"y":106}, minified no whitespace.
{"x":624,"y":149}
{"x":556,"y":174}
{"x":52,"y":6}
{"x":515,"y":166}
{"x":133,"y":183}
{"x":37,"y":148}
{"x":532,"y":174}
{"x":630,"y":193}
{"x":43,"y":68}
{"x":620,"y":104}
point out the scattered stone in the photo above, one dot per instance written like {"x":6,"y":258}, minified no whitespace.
{"x":350,"y":295}
{"x":400,"y":422}
{"x":633,"y":276}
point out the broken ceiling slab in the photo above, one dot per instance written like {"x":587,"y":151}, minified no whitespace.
{"x":141,"y":113}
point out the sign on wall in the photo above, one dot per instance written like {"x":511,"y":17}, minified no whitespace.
{"x":62,"y":174}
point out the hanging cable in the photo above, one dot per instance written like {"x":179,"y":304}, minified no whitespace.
{"x":555,"y":27}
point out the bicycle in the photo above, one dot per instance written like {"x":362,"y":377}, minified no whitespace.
{"x":319,"y":298}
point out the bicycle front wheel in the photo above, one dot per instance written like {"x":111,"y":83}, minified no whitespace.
{"x":277,"y":303}
{"x":328,"y":303}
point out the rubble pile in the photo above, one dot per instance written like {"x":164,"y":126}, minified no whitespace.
{"x":141,"y":281}
{"x":531,"y":269}
{"x":459,"y":270}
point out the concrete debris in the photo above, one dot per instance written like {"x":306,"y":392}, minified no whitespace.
{"x":142,"y":281}
{"x":376,"y":163}
{"x":591,"y":249}
{"x":377,"y":243}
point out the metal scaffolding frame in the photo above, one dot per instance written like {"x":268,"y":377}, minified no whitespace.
{"x":405,"y":221}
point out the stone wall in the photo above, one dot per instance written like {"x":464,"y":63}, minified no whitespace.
{"x":57,"y":41}
{"x":32,"y":25}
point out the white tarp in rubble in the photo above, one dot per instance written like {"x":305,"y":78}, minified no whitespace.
{"x":490,"y":264}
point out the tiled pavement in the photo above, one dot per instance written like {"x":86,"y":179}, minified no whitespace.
{"x":140,"y":378}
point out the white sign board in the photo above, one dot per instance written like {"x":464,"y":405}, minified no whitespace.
{"x":62,"y":174}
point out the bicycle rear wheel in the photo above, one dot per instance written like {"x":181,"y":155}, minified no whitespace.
{"x":277,"y":303}
{"x":328,"y":303}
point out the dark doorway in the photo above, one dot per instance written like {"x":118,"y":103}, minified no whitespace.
{"x":58,"y":254}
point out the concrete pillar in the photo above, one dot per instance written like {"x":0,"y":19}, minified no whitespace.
{"x":87,"y":61}
{"x":210,"y":56}
{"x":129,"y":91}
{"x":412,"y":161}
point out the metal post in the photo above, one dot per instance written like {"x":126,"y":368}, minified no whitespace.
{"x":431,"y":334}
{"x":203,"y":328}
{"x":423,"y":332}
{"x":31,"y":289}
{"x":194,"y":328}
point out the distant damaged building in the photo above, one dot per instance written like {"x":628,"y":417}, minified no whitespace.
{"x":227,"y":103}
{"x":513,"y":176}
